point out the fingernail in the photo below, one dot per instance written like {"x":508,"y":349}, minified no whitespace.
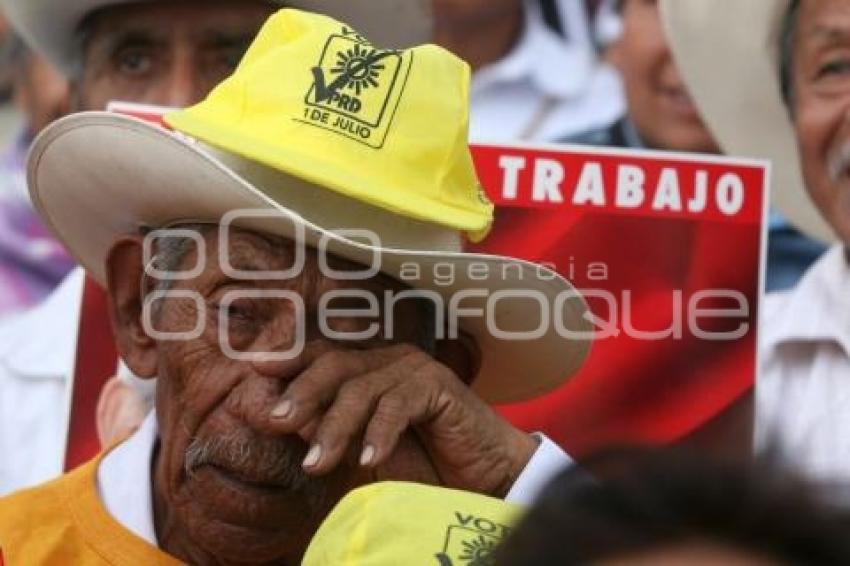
{"x":313,"y":456}
{"x":368,"y":455}
{"x":283,"y":410}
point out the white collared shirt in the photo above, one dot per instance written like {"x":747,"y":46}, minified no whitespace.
{"x":124,"y":479}
{"x":803,"y":391}
{"x":37,"y":354}
{"x":545,"y":89}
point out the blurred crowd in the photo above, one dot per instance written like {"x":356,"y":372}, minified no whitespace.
{"x":588,"y":72}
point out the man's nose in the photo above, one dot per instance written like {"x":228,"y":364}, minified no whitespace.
{"x":288,"y":369}
{"x":182,"y":85}
{"x":276,"y":368}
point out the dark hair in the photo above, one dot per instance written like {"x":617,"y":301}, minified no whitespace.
{"x":786,"y":53}
{"x":647,"y":501}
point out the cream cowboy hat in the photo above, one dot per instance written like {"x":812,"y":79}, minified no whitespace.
{"x":51,"y":26}
{"x":729,"y":57}
{"x":329,"y":133}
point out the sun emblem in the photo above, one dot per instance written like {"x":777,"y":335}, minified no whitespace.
{"x":361,"y":66}
{"x":478,"y":551}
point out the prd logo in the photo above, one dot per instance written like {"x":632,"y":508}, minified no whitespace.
{"x":471,"y":542}
{"x":356,"y":88}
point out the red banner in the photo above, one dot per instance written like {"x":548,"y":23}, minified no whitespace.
{"x":96,"y":362}
{"x":667,"y":249}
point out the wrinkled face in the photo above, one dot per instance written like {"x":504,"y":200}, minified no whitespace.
{"x":164,"y":53}
{"x":239,"y":491}
{"x":659,"y":104}
{"x":821,"y":84}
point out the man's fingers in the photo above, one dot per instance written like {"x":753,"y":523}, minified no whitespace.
{"x":308,"y":431}
{"x":348,"y":415}
{"x":343,"y":423}
{"x":314,"y":389}
{"x":395,"y":412}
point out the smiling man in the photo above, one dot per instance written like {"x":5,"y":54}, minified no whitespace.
{"x":661,"y":114}
{"x":290,"y":372}
{"x":772,"y":78}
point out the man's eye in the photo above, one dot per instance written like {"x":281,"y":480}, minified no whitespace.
{"x":236,"y":312}
{"x":837,"y":67}
{"x":134,"y":62}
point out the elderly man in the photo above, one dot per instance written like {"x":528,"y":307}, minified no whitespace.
{"x":155,"y":52}
{"x":771,"y":78}
{"x":288,"y":371}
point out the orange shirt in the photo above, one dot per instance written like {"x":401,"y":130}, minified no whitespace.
{"x":65,"y":523}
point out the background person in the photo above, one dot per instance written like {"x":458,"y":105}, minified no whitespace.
{"x":530,"y":82}
{"x":657,"y":508}
{"x":660,"y":113}
{"x":32,"y":263}
{"x":787,"y":60}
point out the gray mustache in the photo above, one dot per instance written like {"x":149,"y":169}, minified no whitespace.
{"x":267,"y":460}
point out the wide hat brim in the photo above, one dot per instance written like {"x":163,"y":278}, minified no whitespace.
{"x":95,"y":176}
{"x":51,"y":26}
{"x":729,"y":58}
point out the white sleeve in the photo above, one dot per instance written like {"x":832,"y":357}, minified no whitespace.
{"x":547,"y":462}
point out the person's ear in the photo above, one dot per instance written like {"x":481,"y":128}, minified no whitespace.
{"x":462,"y":356}
{"x":120,"y":412}
{"x":124,"y":279}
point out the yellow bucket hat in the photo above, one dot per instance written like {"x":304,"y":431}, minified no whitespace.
{"x":385,"y":127}
{"x":392,"y":523}
{"x":328,"y":133}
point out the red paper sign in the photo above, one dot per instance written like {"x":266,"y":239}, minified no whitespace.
{"x":96,"y":362}
{"x":668,"y":250}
